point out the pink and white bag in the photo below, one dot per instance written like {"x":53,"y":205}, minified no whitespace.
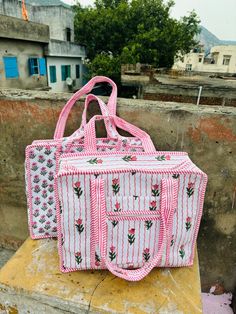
{"x":127,"y":212}
{"x":42,"y":155}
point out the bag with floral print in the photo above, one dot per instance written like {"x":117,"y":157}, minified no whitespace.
{"x":127,"y":212}
{"x":42,"y":155}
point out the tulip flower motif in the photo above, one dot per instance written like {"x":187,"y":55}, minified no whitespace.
{"x":190,"y":189}
{"x":41,"y":159}
{"x":47,"y":150}
{"x":34,"y":225}
{"x":44,"y":206}
{"x":50,"y":176}
{"x":47,"y":225}
{"x":153,"y":205}
{"x":50,"y":200}
{"x":36,"y":213}
{"x":131,"y":236}
{"x":44,"y":184}
{"x":188,"y":223}
{"x":31,"y":154}
{"x":95,"y":161}
{"x":115,"y":185}
{"x":34,"y":166}
{"x":112,"y":253}
{"x":77,"y":189}
{"x":182,"y":251}
{"x":148,"y":224}
{"x":155,"y":190}
{"x":49,"y":163}
{"x":128,"y":158}
{"x":79,"y":225}
{"x":146,"y":254}
{"x":37,"y":200}
{"x":97,"y":260}
{"x":36,"y":179}
{"x":43,"y":171}
{"x":78,"y":257}
{"x":36,"y":188}
{"x":50,"y":188}
{"x":163,"y":157}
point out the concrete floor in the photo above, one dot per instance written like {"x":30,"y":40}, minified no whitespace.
{"x":5,"y":255}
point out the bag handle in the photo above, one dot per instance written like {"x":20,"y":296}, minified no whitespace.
{"x":61,"y":123}
{"x":90,"y":133}
{"x":110,"y":128}
{"x":168,"y":203}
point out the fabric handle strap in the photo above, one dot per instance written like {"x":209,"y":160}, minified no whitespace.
{"x":168,"y":203}
{"x":60,"y":127}
{"x":90,"y":133}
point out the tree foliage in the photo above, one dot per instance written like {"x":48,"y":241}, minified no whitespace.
{"x":121,"y":31}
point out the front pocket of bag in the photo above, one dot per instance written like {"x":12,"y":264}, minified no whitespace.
{"x":132,"y":237}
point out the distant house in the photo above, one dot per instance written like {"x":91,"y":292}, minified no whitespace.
{"x":22,"y":62}
{"x":221,"y":59}
{"x":64,"y":58}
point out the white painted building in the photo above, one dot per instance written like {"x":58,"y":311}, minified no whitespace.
{"x":64,"y":58}
{"x":221,"y":59}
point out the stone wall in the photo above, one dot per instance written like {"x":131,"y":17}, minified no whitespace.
{"x":207,"y":133}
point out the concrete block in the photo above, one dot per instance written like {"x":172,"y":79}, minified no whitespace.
{"x":32,"y":283}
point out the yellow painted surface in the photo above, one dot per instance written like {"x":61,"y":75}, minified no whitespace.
{"x":33,"y":270}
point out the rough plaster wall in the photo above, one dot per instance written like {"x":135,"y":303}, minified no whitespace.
{"x":208,"y":134}
{"x":23,"y":51}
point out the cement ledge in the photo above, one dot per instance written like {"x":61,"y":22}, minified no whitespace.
{"x":31,"y":283}
{"x":20,"y":94}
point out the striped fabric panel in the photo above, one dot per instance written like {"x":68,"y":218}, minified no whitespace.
{"x":127,"y":193}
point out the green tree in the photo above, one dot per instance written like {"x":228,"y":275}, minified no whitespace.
{"x":121,"y":31}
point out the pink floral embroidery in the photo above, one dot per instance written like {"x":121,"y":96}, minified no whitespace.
{"x":190,"y":189}
{"x":77,"y":189}
{"x":155,"y":190}
{"x":153,"y":205}
{"x":148,"y":224}
{"x":112,"y":253}
{"x":95,"y":161}
{"x":78,"y":257}
{"x":182,"y":251}
{"x":131,"y":236}
{"x":146,"y":254}
{"x":79,"y":225}
{"x":115,"y":185}
{"x":128,"y":158}
{"x":188,"y":223}
{"x":163,"y":157}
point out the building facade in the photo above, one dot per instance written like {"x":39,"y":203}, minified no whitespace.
{"x":221,"y":59}
{"x":63,"y":57}
{"x":22,"y":61}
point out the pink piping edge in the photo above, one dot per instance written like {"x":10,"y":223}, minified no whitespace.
{"x":107,"y":154}
{"x":202,"y":193}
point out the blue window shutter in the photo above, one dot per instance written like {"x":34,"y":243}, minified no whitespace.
{"x":11,"y":67}
{"x":31,"y":69}
{"x":42,"y":66}
{"x":63,"y":72}
{"x":53,"y":75}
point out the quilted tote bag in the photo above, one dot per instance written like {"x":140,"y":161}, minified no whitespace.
{"x":127,"y":212}
{"x":42,"y":155}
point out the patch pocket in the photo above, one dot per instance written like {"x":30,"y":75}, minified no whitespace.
{"x":133,"y":237}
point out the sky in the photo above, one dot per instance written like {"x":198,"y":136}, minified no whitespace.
{"x":218,"y":16}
